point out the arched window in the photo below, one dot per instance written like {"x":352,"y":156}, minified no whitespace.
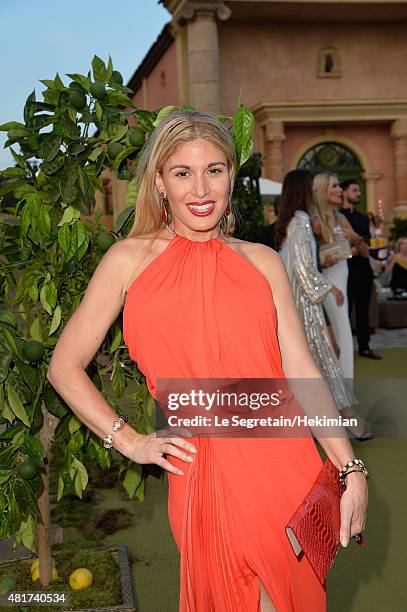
{"x":335,"y":157}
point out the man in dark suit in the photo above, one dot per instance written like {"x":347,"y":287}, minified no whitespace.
{"x":360,"y":281}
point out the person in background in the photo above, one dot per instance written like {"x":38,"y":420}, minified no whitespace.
{"x":330,"y":226}
{"x":360,"y":279}
{"x":298,"y":249}
{"x":267,"y":233}
{"x":398,"y":266}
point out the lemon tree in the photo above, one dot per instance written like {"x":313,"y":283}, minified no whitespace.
{"x":49,"y":251}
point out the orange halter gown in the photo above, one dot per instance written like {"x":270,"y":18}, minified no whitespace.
{"x":200,"y":309}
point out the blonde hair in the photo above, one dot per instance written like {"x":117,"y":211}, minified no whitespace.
{"x":327,"y":214}
{"x":176,"y":129}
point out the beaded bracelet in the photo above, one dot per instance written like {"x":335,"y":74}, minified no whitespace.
{"x":117,"y":425}
{"x":358,"y":464}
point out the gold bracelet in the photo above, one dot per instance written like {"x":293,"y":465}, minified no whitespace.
{"x":117,"y":425}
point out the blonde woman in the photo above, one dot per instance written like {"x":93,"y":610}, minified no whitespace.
{"x":332,"y":225}
{"x":202,"y":304}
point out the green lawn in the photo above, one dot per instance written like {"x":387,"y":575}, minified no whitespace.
{"x":361,"y":580}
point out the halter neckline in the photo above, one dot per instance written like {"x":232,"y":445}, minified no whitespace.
{"x":172,"y":231}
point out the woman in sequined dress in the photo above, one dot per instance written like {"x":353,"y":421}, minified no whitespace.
{"x":295,"y":239}
{"x":298,"y":251}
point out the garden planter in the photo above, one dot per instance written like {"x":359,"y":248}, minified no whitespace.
{"x":120,"y":555}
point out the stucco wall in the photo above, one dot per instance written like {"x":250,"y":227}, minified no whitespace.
{"x":277,"y":62}
{"x":161,"y":85}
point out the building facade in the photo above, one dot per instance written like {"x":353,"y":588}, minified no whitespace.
{"x":325,"y":80}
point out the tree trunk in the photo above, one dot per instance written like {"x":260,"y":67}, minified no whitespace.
{"x":46,"y":435}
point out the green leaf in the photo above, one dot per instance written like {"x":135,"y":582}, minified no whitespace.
{"x":74,"y":424}
{"x":56,"y":320}
{"x":117,"y":339}
{"x":10,"y":337}
{"x":6,"y":412}
{"x":164,"y":112}
{"x":121,"y":131}
{"x":115,"y":98}
{"x":33,"y":292}
{"x":26,"y":533}
{"x":82,"y":249}
{"x":11,"y":125}
{"x":98,"y":111}
{"x":64,"y":238}
{"x":132,"y":479}
{"x":60,"y":487}
{"x":131,"y":192}
{"x":25,"y":220}
{"x":29,"y":375}
{"x":123,"y":155}
{"x":6,"y":355}
{"x":50,"y":147}
{"x":145,"y":118}
{"x":109,"y":69}
{"x":48,"y":83}
{"x":70,"y":213}
{"x":54,"y":166}
{"x":243,"y":122}
{"x":81,"y":79}
{"x":16,"y":405}
{"x":28,"y":107}
{"x":149,"y":406}
{"x":246,"y":152}
{"x":71,"y":130}
{"x":58,"y":83}
{"x":81,"y":478}
{"x":39,"y":121}
{"x":48,"y":296}
{"x":53,"y":402}
{"x":19,"y":159}
{"x":95,"y":154}
{"x":36,"y":330}
{"x":118,"y":381}
{"x":13,"y":173}
{"x":43,"y":221}
{"x":103,"y":457}
{"x":99,"y":69}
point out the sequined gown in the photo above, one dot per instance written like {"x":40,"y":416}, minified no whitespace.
{"x":310,"y":288}
{"x":200,"y":309}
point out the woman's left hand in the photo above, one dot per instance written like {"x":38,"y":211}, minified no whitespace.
{"x":354,"y":502}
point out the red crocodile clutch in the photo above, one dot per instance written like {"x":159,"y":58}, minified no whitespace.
{"x":314,"y":528}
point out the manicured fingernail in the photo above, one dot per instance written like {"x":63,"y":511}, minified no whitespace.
{"x":180,"y":473}
{"x":344,"y":542}
{"x":192,"y":449}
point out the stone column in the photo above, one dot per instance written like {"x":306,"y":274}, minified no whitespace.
{"x":371,"y":178}
{"x":273,"y":150}
{"x":201,"y":20}
{"x":399,"y":135}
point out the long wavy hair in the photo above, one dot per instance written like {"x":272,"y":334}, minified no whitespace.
{"x":296,"y":194}
{"x":176,"y":129}
{"x":327,"y":214}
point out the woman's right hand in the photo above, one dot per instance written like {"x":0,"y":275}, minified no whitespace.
{"x":338,"y":295}
{"x":150,"y":448}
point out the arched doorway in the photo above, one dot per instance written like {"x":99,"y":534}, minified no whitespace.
{"x":337,"y":158}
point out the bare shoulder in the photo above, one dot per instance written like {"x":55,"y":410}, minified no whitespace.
{"x":264,"y":258}
{"x":128,"y":252}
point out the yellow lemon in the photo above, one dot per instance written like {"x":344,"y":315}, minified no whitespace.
{"x":35,"y":570}
{"x":80,"y":578}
